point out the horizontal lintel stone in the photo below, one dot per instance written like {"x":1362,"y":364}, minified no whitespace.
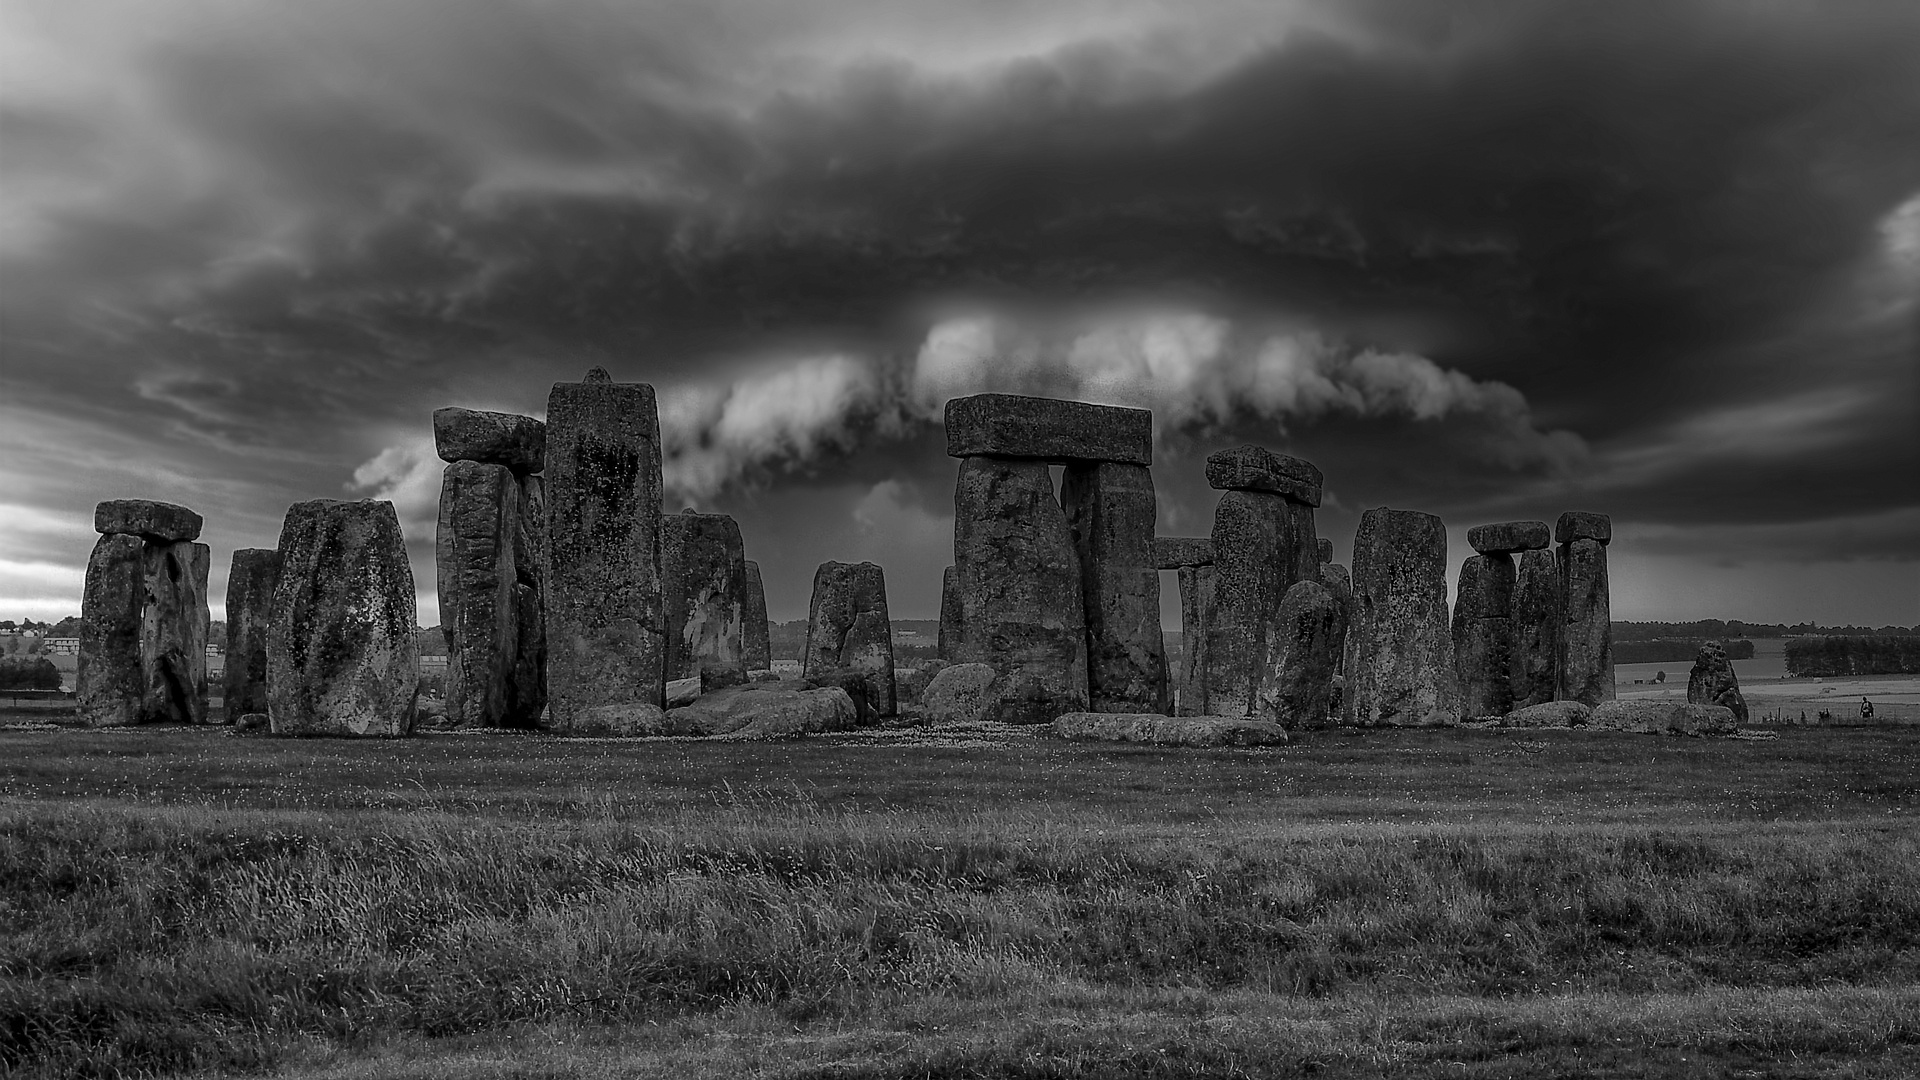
{"x":1256,"y":468}
{"x":1507,"y":537}
{"x":1174,"y":552}
{"x":1582,"y":525}
{"x":1047,"y":429}
{"x":166,"y":522}
{"x":491,"y":438}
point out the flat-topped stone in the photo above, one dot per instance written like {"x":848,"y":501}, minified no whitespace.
{"x":164,"y":522}
{"x":1049,"y":429}
{"x":491,"y":438}
{"x":1582,"y":525}
{"x":1256,"y":468}
{"x":1174,"y":552}
{"x":1508,"y":537}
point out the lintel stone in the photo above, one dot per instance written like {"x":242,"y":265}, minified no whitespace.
{"x":491,"y":438}
{"x":1174,"y":552}
{"x":1582,"y":525}
{"x":1508,"y":537}
{"x":1047,"y":429}
{"x":166,"y":523}
{"x":1256,"y":468}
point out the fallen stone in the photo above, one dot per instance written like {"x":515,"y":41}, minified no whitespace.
{"x":1483,"y":635}
{"x":1696,"y":719}
{"x":1399,"y":661}
{"x":856,"y":687}
{"x":164,"y":523}
{"x":616,"y":721}
{"x":1581,"y":525}
{"x":1177,"y":552}
{"x":476,"y":570}
{"x":1713,"y":682}
{"x":1642,"y":715}
{"x":1326,"y":550}
{"x":1296,"y":684}
{"x":703,"y":568}
{"x":250,"y":584}
{"x":173,"y":633}
{"x":1111,"y":511}
{"x":756,"y":711}
{"x":1154,"y":729}
{"x":1538,"y":611}
{"x":1508,"y":537}
{"x":1586,"y":628}
{"x":683,"y":691}
{"x":758,"y":639}
{"x":253,"y":723}
{"x":1260,"y":542}
{"x":961,"y":694}
{"x":1256,"y":468}
{"x":950,"y":630}
{"x":1550,"y":714}
{"x":110,"y":683}
{"x":848,"y":630}
{"x":490,"y":438}
{"x":1047,"y":429}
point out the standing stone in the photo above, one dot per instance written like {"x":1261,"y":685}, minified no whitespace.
{"x":1339,"y":581}
{"x":759,"y":639}
{"x":250,"y":585}
{"x":1196,"y":605}
{"x":1326,"y":550}
{"x":606,"y":621}
{"x":341,"y":655}
{"x":527,"y":689}
{"x":475,"y":559}
{"x":1483,"y":635}
{"x":1019,"y":582}
{"x":1255,"y":561}
{"x":1400,"y":646}
{"x":1586,"y":665}
{"x":1296,"y":682}
{"x":950,"y":632}
{"x":703,"y":568}
{"x":1712,"y":681}
{"x":110,"y":683}
{"x":848,"y":630}
{"x":173,"y":632}
{"x":1537,"y":614}
{"x":1111,"y":511}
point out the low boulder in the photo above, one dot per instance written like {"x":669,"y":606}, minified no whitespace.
{"x":960,"y":694}
{"x":757,"y":711}
{"x":631,"y":718}
{"x":1550,"y":714}
{"x":1692,"y":719}
{"x":1153,"y":729}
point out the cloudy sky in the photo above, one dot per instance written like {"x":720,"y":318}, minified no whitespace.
{"x":1487,"y":260}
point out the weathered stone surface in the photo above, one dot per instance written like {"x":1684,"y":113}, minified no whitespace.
{"x":1508,"y":537}
{"x":683,"y":691}
{"x":1296,"y":682}
{"x":110,"y":682}
{"x":703,"y":568}
{"x":250,"y":584}
{"x":1399,"y":663}
{"x":1326,"y":550}
{"x":1713,"y":682}
{"x":759,"y":641}
{"x":1696,"y":719}
{"x":1550,"y":714}
{"x":1586,"y":629}
{"x":848,"y":629}
{"x":1256,"y":468}
{"x":341,"y":656}
{"x":476,"y":567}
{"x":161,"y":522}
{"x":757,"y":711}
{"x":1538,"y":611}
{"x":173,"y":632}
{"x":490,"y":438}
{"x":1020,"y":597}
{"x":1047,"y":429}
{"x":617,"y":720}
{"x":1111,"y":511}
{"x":1582,"y":525}
{"x":1178,"y":552}
{"x":605,"y":607}
{"x":951,"y":632}
{"x":961,"y":694}
{"x":1196,"y":601}
{"x":1338,"y":580}
{"x":255,"y":723}
{"x":1154,"y":729}
{"x":1262,"y":544}
{"x":1483,"y":635}
{"x":527,"y":689}
{"x":1660,"y":716}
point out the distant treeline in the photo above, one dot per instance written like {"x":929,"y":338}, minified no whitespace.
{"x":1854,"y":654}
{"x":1717,"y":630}
{"x":28,"y":673}
{"x":1675,"y":650}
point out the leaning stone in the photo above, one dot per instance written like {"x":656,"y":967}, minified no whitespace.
{"x":1483,"y":635}
{"x":109,"y":683}
{"x":1047,"y":429}
{"x":848,"y":630}
{"x":476,"y":569}
{"x":703,"y":568}
{"x":1538,"y":611}
{"x":491,"y":438}
{"x":1196,"y":602}
{"x":173,"y":633}
{"x":1508,"y":537}
{"x":1256,"y":468}
{"x":1176,"y":552}
{"x":758,"y":639}
{"x":1399,"y":662}
{"x":1260,"y":543}
{"x":950,"y":631}
{"x":1153,"y":729}
{"x":341,"y":654}
{"x":250,"y":584}
{"x":162,"y":523}
{"x":1586,"y":629}
{"x":1713,"y":682}
{"x":1581,"y":525}
{"x":960,"y":694}
{"x":605,"y":607}
{"x":1296,"y":684}
{"x":1326,"y":550}
{"x":1020,"y":597}
{"x":1549,"y":714}
{"x":1111,"y":510}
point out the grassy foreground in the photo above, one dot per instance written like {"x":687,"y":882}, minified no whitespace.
{"x":1444,"y":904}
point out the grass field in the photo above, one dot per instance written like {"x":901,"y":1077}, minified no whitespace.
{"x":1468,"y":904}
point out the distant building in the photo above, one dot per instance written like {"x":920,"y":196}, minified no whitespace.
{"x":63,"y":645}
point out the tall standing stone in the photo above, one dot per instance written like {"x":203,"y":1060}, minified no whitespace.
{"x":341,"y":654}
{"x":848,"y":630}
{"x":1264,"y":540}
{"x":143,"y":651}
{"x":1338,"y":580}
{"x":1537,"y":613}
{"x":110,"y":683}
{"x":1296,"y":681}
{"x":1713,"y":682}
{"x":1191,"y":557}
{"x":1586,"y":664}
{"x":703,"y":569}
{"x":759,"y":639}
{"x":1400,"y":647}
{"x":250,"y":585}
{"x":1111,"y":511}
{"x":950,"y":632}
{"x":475,"y":558}
{"x":527,"y":691}
{"x":606,"y":622}
{"x":1483,"y":635}
{"x":173,"y":632}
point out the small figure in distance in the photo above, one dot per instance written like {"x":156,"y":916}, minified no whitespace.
{"x":1866,"y":709}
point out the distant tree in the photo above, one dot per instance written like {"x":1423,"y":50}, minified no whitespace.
{"x":22,"y":673}
{"x":8,"y":626}
{"x":1659,"y":676}
{"x":67,"y":627}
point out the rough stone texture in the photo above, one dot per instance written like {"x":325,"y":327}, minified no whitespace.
{"x":1196,"y":602}
{"x":1256,"y":468}
{"x":616,"y":720}
{"x":1661,"y":716}
{"x":1111,"y":511}
{"x":1339,"y":581}
{"x":605,"y":607}
{"x":341,"y":656}
{"x":1326,"y":550}
{"x":961,"y":694}
{"x":173,"y":632}
{"x":1155,"y":729}
{"x":858,"y":689}
{"x":256,"y":723}
{"x":491,"y":438}
{"x":951,"y":632}
{"x":1020,"y":595}
{"x":1712,"y":681}
{"x":1696,"y":719}
{"x":1296,"y":682}
{"x":703,"y":568}
{"x":1549,"y":714}
{"x":1262,"y":544}
{"x":110,"y":682}
{"x":1483,"y":635}
{"x":164,"y":523}
{"x":250,"y":584}
{"x":1508,"y":537}
{"x":755,"y":711}
{"x":848,"y":629}
{"x":1538,"y":611}
{"x":1586,"y":629}
{"x":1399,"y":663}
{"x":759,"y":641}
{"x":1180,"y":552}
{"x":683,"y":691}
{"x":1047,"y":429}
{"x":476,"y":566}
{"x":527,"y":690}
{"x":1582,"y":525}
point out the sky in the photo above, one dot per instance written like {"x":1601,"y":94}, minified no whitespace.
{"x":1492,"y":261}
